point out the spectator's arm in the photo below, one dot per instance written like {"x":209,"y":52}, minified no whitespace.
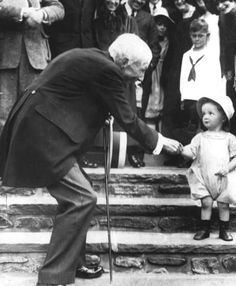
{"x":53,"y":11}
{"x":153,"y":43}
{"x":185,"y":69}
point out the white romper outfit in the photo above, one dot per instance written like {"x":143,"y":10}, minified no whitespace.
{"x":212,"y":151}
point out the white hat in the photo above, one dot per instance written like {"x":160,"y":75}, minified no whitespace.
{"x":224,"y":101}
{"x":162,"y":12}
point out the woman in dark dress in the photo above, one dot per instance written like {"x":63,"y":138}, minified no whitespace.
{"x":111,"y":20}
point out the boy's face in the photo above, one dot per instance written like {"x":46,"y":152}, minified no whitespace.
{"x":226,"y":6}
{"x":161,"y":28}
{"x":199,"y":39}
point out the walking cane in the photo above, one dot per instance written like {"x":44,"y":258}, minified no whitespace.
{"x":107,"y":144}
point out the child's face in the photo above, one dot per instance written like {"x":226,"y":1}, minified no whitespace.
{"x":226,"y":6}
{"x":212,"y":118}
{"x":161,"y":28}
{"x":199,"y":39}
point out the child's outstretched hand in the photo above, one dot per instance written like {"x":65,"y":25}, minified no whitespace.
{"x":171,"y":146}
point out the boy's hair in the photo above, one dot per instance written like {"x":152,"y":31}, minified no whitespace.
{"x":198,"y":25}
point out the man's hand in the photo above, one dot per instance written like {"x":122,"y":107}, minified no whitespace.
{"x":172,"y":146}
{"x":33,"y":17}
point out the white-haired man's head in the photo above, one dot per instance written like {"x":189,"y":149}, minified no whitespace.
{"x":131,"y":54}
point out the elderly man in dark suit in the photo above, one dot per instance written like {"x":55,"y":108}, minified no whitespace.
{"x":54,"y":123}
{"x":24,"y":49}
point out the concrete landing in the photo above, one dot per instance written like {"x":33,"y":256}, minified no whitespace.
{"x":122,"y":279}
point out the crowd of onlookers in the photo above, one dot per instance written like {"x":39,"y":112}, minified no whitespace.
{"x":193,"y":43}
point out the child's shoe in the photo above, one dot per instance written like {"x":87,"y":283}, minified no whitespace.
{"x":223,"y":234}
{"x":205,"y":230}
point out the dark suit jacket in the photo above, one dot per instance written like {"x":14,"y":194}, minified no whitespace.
{"x":75,"y":30}
{"x":168,"y":4}
{"x":61,"y":113}
{"x":13,"y":33}
{"x":148,"y":32}
{"x":108,"y":27}
{"x":227,"y":24}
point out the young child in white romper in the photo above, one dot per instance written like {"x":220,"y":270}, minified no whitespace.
{"x":212,"y":175}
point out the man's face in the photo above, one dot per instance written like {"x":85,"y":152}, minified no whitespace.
{"x":226,"y":6}
{"x":112,"y":5}
{"x":136,"y":4}
{"x":134,"y":70}
{"x":181,"y":5}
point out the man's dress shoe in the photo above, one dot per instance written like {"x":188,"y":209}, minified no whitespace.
{"x":86,"y":163}
{"x":135,"y":161}
{"x":88,"y":273}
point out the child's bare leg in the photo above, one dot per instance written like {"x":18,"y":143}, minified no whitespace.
{"x":224,"y":214}
{"x":206,"y":211}
{"x":223,"y":211}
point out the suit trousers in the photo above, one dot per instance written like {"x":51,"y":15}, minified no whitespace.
{"x":76,"y":203}
{"x":13,"y":82}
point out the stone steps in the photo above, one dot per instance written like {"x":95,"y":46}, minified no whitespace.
{"x":138,"y":199}
{"x":36,"y":213}
{"x":152,"y":220}
{"x":130,"y":182}
{"x":131,"y":251}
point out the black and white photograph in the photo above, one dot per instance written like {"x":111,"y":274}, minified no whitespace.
{"x":117,"y":142}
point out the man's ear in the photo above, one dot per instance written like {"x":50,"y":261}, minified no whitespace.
{"x":123,"y":62}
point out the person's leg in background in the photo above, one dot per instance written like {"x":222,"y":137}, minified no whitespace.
{"x":134,"y":94}
{"x":230,"y":91}
{"x":8,"y":93}
{"x":136,"y":152}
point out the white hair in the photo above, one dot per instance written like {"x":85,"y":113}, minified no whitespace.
{"x":130,"y":47}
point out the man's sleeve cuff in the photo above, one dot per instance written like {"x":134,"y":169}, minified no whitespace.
{"x":21,"y":15}
{"x":159,"y":145}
